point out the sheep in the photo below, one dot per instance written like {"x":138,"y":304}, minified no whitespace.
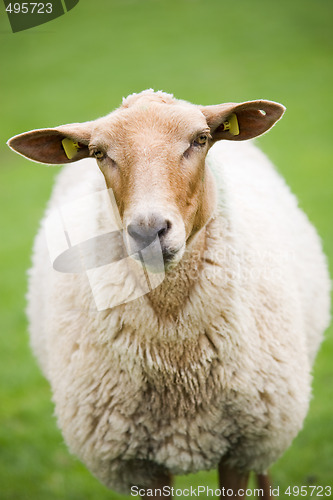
{"x":211,"y":368}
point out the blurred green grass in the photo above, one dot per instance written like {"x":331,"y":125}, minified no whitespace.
{"x":77,"y":68}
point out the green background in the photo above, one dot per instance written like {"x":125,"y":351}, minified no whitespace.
{"x":78,"y":67}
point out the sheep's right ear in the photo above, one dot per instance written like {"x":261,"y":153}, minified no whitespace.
{"x":63,"y":144}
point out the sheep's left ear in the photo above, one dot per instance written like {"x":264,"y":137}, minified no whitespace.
{"x":245,"y":120}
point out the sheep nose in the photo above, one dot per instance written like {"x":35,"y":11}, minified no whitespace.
{"x":144,"y":232}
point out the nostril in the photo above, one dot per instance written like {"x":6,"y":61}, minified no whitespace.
{"x":164,"y":229}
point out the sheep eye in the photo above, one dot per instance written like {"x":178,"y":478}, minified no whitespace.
{"x":98,"y":154}
{"x":201,"y":140}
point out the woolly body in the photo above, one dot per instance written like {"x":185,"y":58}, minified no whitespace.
{"x":214,"y":362}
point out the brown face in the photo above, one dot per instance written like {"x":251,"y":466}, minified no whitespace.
{"x":153,"y":158}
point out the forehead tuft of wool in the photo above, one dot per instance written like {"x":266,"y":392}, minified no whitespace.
{"x":147,"y":96}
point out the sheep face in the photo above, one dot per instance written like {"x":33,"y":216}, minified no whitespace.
{"x":153,"y":157}
{"x":152,"y":152}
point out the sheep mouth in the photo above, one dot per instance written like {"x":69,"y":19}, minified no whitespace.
{"x":171,"y":258}
{"x":155,"y":258}
{"x":153,"y":250}
{"x":159,"y":258}
{"x":168,"y":256}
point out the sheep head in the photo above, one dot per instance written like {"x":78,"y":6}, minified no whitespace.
{"x":152,"y":153}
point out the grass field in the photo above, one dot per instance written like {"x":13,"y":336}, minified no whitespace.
{"x":78,"y":67}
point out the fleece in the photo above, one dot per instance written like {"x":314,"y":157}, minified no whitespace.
{"x":215,"y":362}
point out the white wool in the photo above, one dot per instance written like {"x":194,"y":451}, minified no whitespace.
{"x":228,"y":376}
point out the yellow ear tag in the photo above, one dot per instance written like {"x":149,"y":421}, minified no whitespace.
{"x":231,"y":124}
{"x":70,"y":147}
